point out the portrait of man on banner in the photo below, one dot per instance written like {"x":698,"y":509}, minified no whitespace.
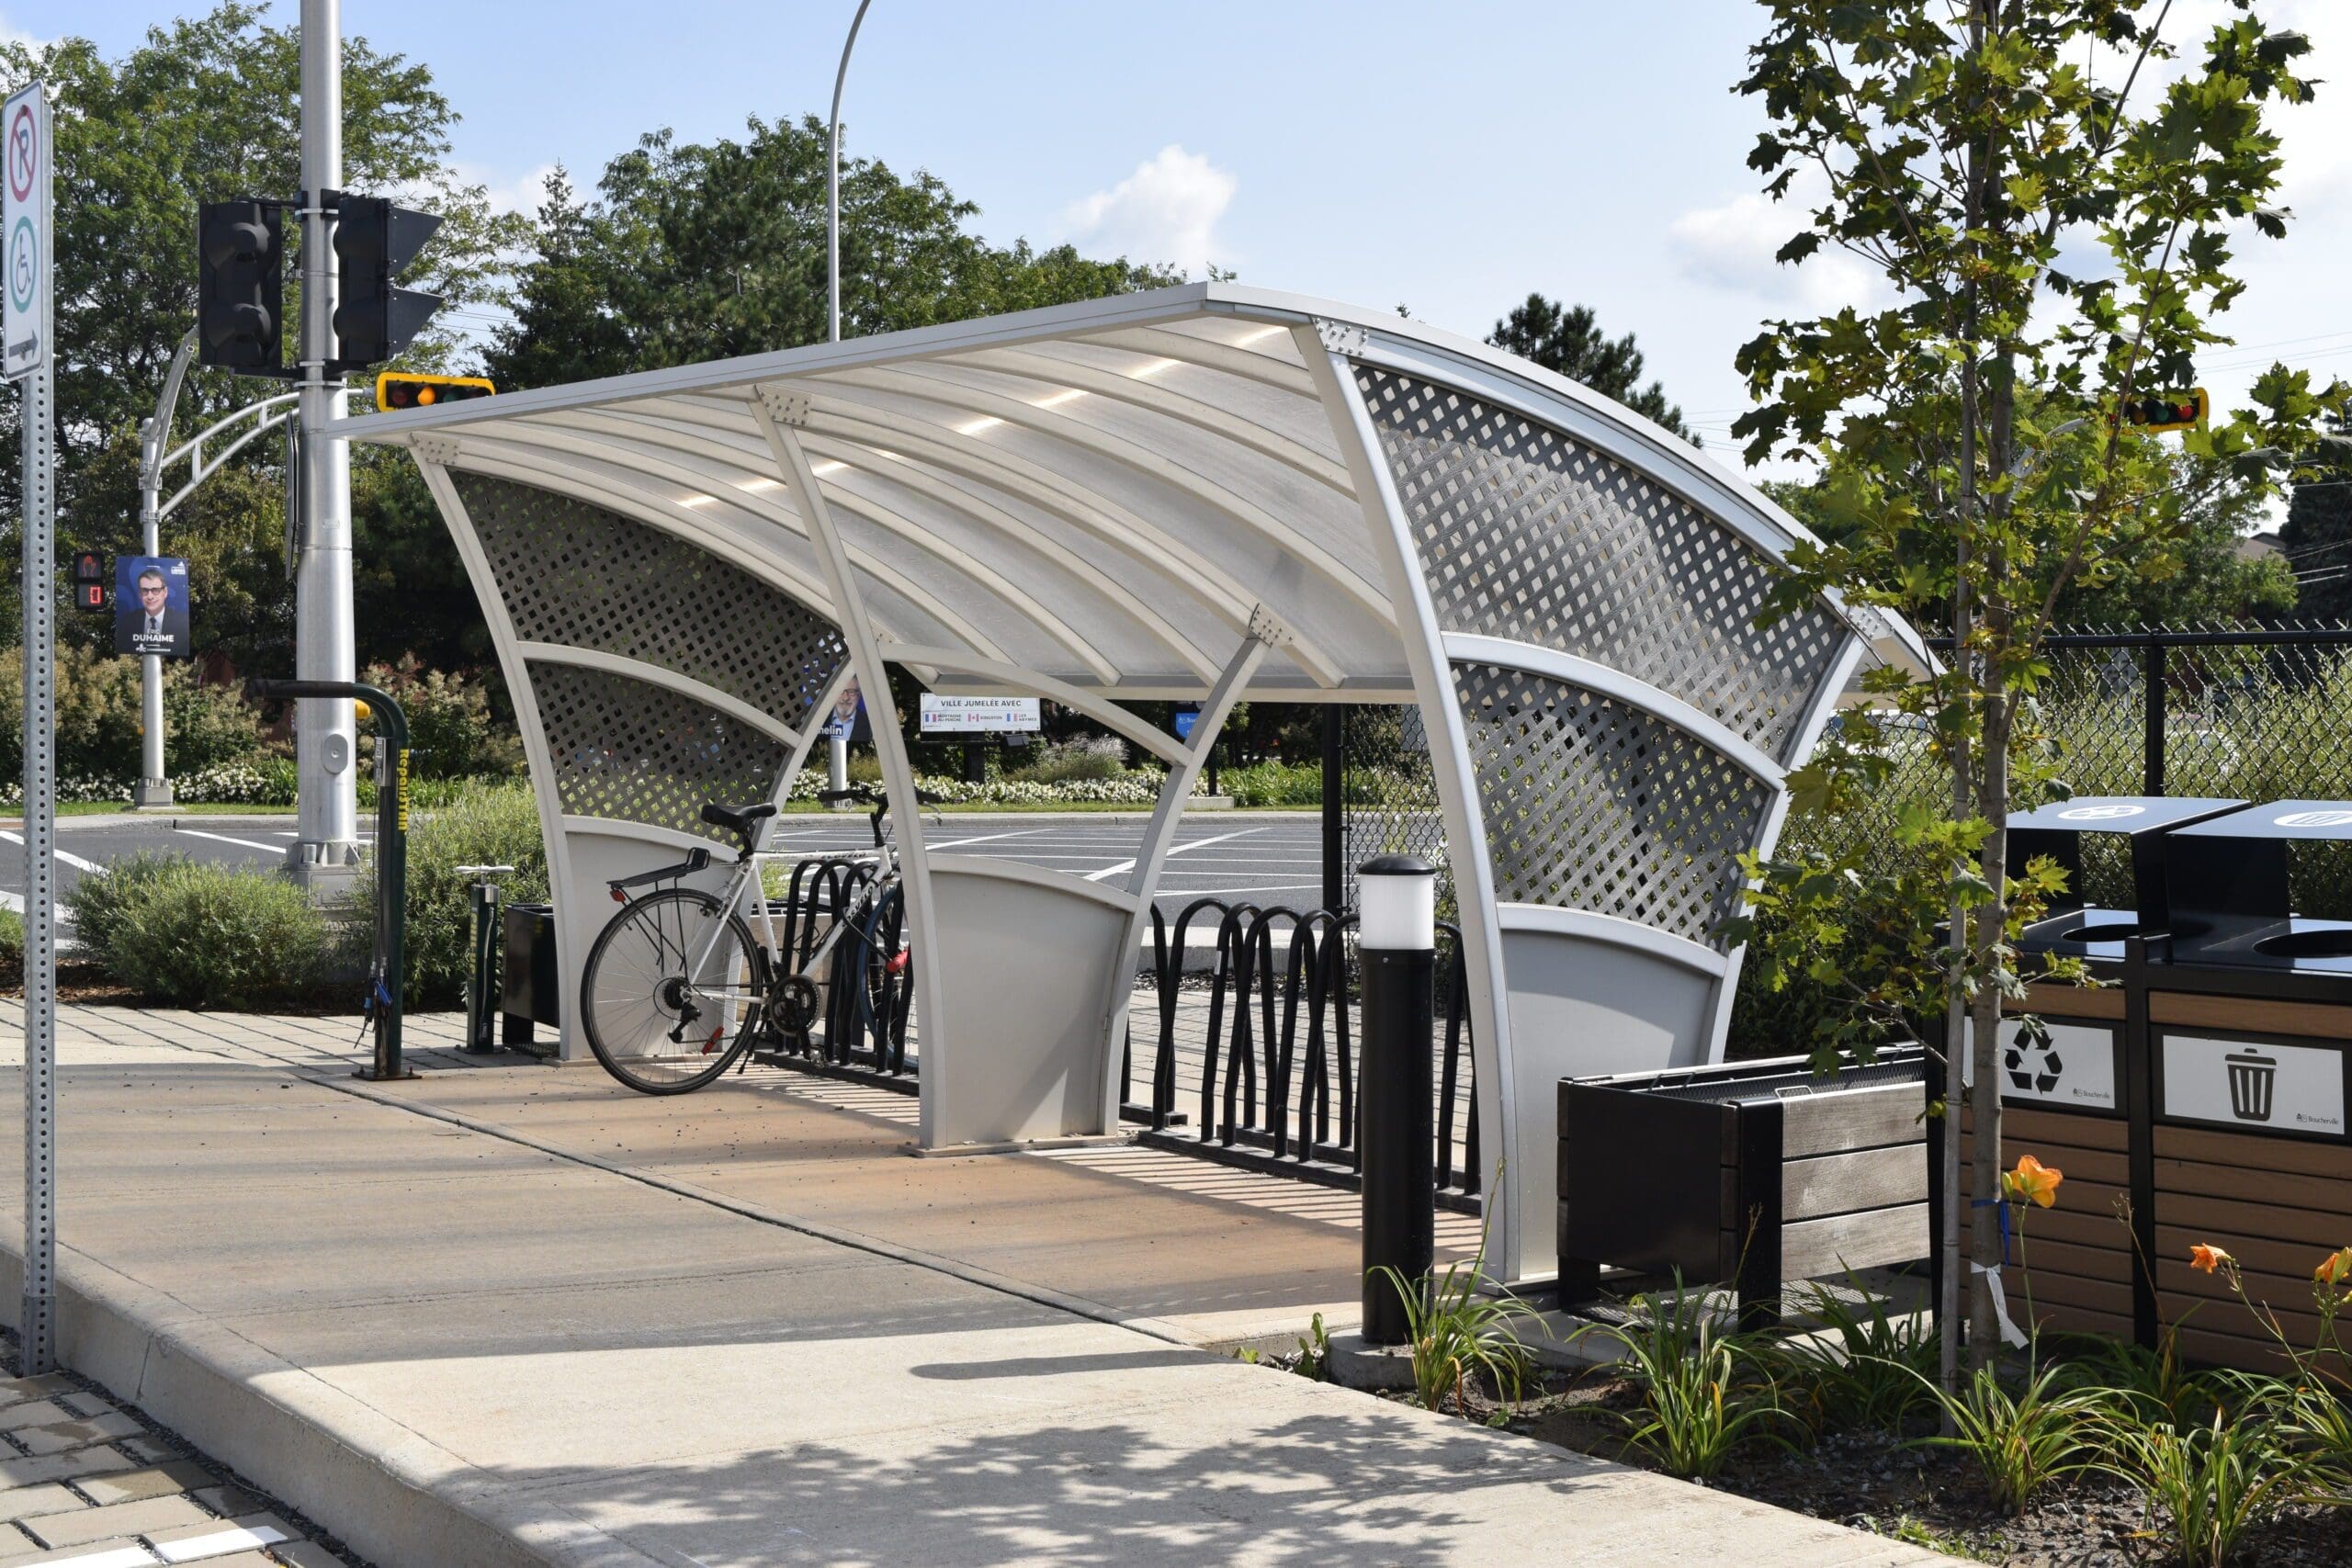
{"x":150,"y":606}
{"x":848,"y":721}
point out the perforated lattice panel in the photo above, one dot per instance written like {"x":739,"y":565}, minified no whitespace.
{"x":576,"y":574}
{"x":1592,"y":805}
{"x":1525,"y":533}
{"x":637,"y":752}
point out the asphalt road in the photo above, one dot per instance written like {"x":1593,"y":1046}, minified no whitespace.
{"x":1268,"y":858}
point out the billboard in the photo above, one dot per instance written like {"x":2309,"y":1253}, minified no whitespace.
{"x":979,"y":715}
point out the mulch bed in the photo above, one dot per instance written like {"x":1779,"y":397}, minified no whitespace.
{"x":1927,"y":1497}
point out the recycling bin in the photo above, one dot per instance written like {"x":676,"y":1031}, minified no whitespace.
{"x":2247,"y":1017}
{"x":2065,"y":1087}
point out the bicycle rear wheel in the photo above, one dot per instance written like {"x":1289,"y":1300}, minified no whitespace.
{"x":669,"y":992}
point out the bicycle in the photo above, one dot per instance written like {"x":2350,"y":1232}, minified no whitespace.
{"x":677,"y":989}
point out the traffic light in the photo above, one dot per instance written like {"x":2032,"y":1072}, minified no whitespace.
{"x":395,"y":389}
{"x":90,"y":582}
{"x":373,"y":241}
{"x":2154,"y":414}
{"x":239,"y":286}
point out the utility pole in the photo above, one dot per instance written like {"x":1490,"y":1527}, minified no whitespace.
{"x":325,"y":856}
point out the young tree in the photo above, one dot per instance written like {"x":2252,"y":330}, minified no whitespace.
{"x":1567,"y":341}
{"x":2050,"y":192}
{"x":2316,"y":542}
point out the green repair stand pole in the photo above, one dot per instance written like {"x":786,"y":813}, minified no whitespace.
{"x":391,"y":860}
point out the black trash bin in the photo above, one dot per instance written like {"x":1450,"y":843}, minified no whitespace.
{"x":529,"y":991}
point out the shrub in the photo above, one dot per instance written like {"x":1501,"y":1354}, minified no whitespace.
{"x":205,"y":726}
{"x":1079,"y":758}
{"x":482,"y":825}
{"x":98,"y":903}
{"x":1274,"y":784}
{"x":208,"y":936}
{"x":261,"y":778}
{"x":450,"y":729}
{"x":12,"y":948}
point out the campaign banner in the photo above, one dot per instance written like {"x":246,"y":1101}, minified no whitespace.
{"x":150,"y":606}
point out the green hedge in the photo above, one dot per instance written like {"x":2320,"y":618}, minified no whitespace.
{"x":206,"y":936}
{"x":474,"y":824}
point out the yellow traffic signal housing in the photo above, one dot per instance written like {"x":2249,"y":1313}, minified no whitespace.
{"x":399,"y":390}
{"x":2155,"y":412}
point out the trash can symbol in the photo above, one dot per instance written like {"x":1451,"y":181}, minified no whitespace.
{"x":2253,"y":1076}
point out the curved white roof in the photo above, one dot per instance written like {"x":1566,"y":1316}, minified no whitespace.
{"x":1099,"y":493}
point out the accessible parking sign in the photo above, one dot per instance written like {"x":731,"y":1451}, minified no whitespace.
{"x":24,"y":224}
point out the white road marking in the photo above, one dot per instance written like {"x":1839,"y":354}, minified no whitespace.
{"x":224,"y":838}
{"x":1129,"y":864}
{"x":983,"y":839}
{"x":76,"y":862}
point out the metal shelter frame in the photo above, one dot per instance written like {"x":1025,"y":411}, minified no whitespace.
{"x":1204,"y":493}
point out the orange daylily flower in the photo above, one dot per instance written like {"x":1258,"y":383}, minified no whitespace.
{"x":2205,"y":1259}
{"x":2034,"y":1180}
{"x":2334,"y":1269}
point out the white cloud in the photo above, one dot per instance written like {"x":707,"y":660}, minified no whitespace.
{"x":11,"y":33}
{"x":1166,"y":211}
{"x":522,"y":194}
{"x":1732,"y":247}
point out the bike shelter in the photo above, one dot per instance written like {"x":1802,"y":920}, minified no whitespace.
{"x":1207,"y":493}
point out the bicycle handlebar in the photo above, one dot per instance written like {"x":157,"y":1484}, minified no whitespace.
{"x":864,"y":795}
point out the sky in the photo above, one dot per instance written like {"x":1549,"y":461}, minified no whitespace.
{"x":1448,"y":159}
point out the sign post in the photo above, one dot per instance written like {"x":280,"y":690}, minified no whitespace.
{"x":26,"y":359}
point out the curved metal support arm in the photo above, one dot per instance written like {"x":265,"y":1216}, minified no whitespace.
{"x":201,"y":470}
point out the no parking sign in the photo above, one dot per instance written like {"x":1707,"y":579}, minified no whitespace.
{"x":24,"y":229}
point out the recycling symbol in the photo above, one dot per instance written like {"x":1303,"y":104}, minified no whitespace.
{"x":2032,"y":1064}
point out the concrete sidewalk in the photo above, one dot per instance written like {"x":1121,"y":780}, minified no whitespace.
{"x":510,"y":1315}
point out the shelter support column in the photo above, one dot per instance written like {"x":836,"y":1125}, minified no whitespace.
{"x":1266,"y":631}
{"x":1520,"y":1245}
{"x":781,"y":411}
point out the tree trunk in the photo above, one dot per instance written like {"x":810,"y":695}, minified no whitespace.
{"x":1993,"y":794}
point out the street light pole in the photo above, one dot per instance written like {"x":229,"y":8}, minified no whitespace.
{"x":837,"y":746}
{"x":154,"y":787}
{"x":326,"y":851}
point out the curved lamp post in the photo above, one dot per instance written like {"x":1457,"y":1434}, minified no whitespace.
{"x":833,"y":190}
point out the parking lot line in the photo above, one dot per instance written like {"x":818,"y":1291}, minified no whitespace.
{"x":224,"y":838}
{"x":76,"y":862}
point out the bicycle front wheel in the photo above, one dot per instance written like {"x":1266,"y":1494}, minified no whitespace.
{"x":669,"y":992}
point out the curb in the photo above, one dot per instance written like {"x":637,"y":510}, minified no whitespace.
{"x":396,"y":1498}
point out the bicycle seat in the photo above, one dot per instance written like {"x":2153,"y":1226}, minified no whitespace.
{"x":738,"y":819}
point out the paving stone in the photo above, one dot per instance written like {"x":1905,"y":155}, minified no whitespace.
{"x":30,"y":1470}
{"x":217,"y":1538}
{"x":85,"y":1405}
{"x":229,"y":1501}
{"x":146,"y":1449}
{"x":97,"y":1554}
{"x":16,"y":1391}
{"x":24,"y":1501}
{"x":143,"y":1517}
{"x":241,"y":1559}
{"x":158,"y":1480}
{"x":59,"y":1436}
{"x":33,"y":1413}
{"x":309,"y":1554}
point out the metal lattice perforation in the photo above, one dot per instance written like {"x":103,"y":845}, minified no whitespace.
{"x":635,"y":753}
{"x":1592,"y":805}
{"x":573,"y":573}
{"x":1526,"y":534}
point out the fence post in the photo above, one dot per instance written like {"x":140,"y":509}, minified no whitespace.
{"x":2152,"y":777}
{"x":1335,"y":777}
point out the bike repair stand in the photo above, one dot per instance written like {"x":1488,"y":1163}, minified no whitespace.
{"x":480,"y":1002}
{"x":386,"y":973}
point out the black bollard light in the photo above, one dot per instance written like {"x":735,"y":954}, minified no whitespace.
{"x":1397,"y":929}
